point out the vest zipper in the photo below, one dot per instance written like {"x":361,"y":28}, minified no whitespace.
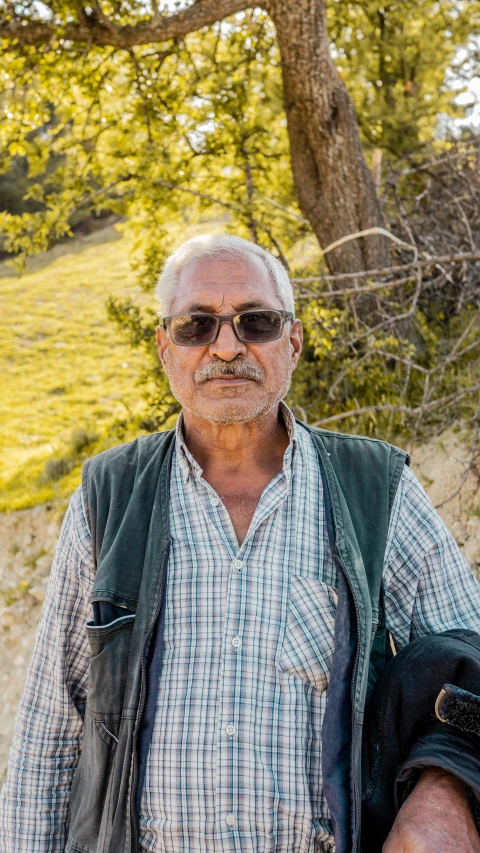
{"x":141,"y":707}
{"x":354,"y":735}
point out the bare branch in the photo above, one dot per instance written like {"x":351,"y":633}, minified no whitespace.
{"x":349,"y":291}
{"x":448,"y":400}
{"x":424,"y":167}
{"x":385,"y":271}
{"x":367,"y":232}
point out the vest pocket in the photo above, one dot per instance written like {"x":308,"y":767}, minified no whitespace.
{"x":107,"y":735}
{"x":110,"y":647}
{"x":92,"y":802}
{"x":91,"y":796}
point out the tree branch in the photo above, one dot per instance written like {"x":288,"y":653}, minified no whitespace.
{"x":353,"y":291}
{"x":90,"y":29}
{"x":384,"y":271}
{"x":448,"y":400}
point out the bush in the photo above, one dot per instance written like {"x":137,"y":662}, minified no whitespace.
{"x":56,"y":468}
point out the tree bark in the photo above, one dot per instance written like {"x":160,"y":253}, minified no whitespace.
{"x":335,"y":187}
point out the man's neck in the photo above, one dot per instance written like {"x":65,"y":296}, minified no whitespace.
{"x":236,"y":448}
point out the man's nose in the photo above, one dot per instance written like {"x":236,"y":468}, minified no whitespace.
{"x":227,"y":346}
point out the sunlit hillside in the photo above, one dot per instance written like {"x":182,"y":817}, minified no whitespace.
{"x":68,"y":380}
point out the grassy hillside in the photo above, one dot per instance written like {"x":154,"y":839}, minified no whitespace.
{"x":67,"y":379}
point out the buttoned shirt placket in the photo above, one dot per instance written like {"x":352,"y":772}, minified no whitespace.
{"x":229,"y":734}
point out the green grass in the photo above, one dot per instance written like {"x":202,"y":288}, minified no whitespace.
{"x":67,"y":378}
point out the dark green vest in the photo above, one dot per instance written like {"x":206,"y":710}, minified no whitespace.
{"x":126,"y":495}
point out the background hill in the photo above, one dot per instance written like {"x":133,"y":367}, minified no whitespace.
{"x":67,"y":383}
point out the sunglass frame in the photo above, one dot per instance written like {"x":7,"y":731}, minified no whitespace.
{"x":228,"y":318}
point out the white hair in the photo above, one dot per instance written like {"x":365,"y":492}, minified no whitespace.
{"x":220,"y":246}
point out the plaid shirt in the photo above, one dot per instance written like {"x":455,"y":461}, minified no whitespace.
{"x":235,"y":761}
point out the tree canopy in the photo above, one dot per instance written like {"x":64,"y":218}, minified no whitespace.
{"x":170,"y":118}
{"x":197,"y":121}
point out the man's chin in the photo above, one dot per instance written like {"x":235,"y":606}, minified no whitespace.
{"x":233,"y":411}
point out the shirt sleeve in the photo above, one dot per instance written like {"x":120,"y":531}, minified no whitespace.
{"x":34,"y":802}
{"x":429,"y":587}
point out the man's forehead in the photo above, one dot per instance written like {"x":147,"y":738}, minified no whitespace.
{"x":248,"y":269}
{"x":211,"y":282}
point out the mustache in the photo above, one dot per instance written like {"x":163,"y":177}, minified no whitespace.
{"x":217,"y":369}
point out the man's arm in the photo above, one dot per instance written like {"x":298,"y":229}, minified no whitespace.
{"x":435,"y":817}
{"x":429,"y":588}
{"x":49,"y":723}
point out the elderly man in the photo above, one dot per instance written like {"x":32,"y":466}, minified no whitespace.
{"x":212,"y":586}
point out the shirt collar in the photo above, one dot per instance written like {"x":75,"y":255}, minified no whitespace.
{"x":189,"y":466}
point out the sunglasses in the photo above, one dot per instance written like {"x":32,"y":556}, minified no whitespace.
{"x":250,"y":327}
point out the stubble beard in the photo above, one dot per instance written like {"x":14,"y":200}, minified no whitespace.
{"x":231,"y":411}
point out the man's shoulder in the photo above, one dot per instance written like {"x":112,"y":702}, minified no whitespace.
{"x":357,"y":443}
{"x":130,"y":454}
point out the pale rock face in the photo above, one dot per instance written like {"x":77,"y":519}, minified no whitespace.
{"x":27,"y":544}
{"x":28,"y":539}
{"x":441,"y":464}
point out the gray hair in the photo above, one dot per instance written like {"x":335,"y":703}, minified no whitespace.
{"x":220,"y":246}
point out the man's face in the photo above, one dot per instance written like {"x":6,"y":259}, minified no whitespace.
{"x":229,"y":381}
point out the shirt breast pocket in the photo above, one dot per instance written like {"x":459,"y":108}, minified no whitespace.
{"x":308,"y":643}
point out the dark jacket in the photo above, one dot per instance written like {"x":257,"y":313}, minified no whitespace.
{"x":403,"y":735}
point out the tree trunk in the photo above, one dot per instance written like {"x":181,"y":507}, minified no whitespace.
{"x":335,"y":187}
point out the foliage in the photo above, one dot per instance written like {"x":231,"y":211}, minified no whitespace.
{"x":169,"y":134}
{"x":398,"y":59}
{"x":16,"y":593}
{"x":173,"y":136}
{"x":139,"y":329}
{"x":159,"y":135}
{"x":406,"y":355}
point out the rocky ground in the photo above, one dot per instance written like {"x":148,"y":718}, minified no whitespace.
{"x":28,"y":537}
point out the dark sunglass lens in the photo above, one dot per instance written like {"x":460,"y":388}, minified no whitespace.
{"x":193,"y":330}
{"x":259,"y":326}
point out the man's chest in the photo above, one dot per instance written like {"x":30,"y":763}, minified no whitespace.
{"x":276,"y":525}
{"x":240,"y":506}
{"x":274,"y":593}
{"x":260,"y":613}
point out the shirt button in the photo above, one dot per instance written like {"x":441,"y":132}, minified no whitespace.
{"x":236,"y":642}
{"x":238,"y":564}
{"x":230,"y":729}
{"x":230,"y":819}
{"x":215,"y":501}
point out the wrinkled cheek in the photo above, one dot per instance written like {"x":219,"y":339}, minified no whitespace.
{"x":283,"y":376}
{"x":181,"y":383}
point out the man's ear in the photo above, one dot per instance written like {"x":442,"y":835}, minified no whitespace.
{"x":296,"y":340}
{"x":162,"y":344}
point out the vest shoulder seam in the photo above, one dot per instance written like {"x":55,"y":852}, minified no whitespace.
{"x":125,"y":447}
{"x":347,"y":437}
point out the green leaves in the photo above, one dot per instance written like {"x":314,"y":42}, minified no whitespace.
{"x":190,"y":134}
{"x":395,"y":59}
